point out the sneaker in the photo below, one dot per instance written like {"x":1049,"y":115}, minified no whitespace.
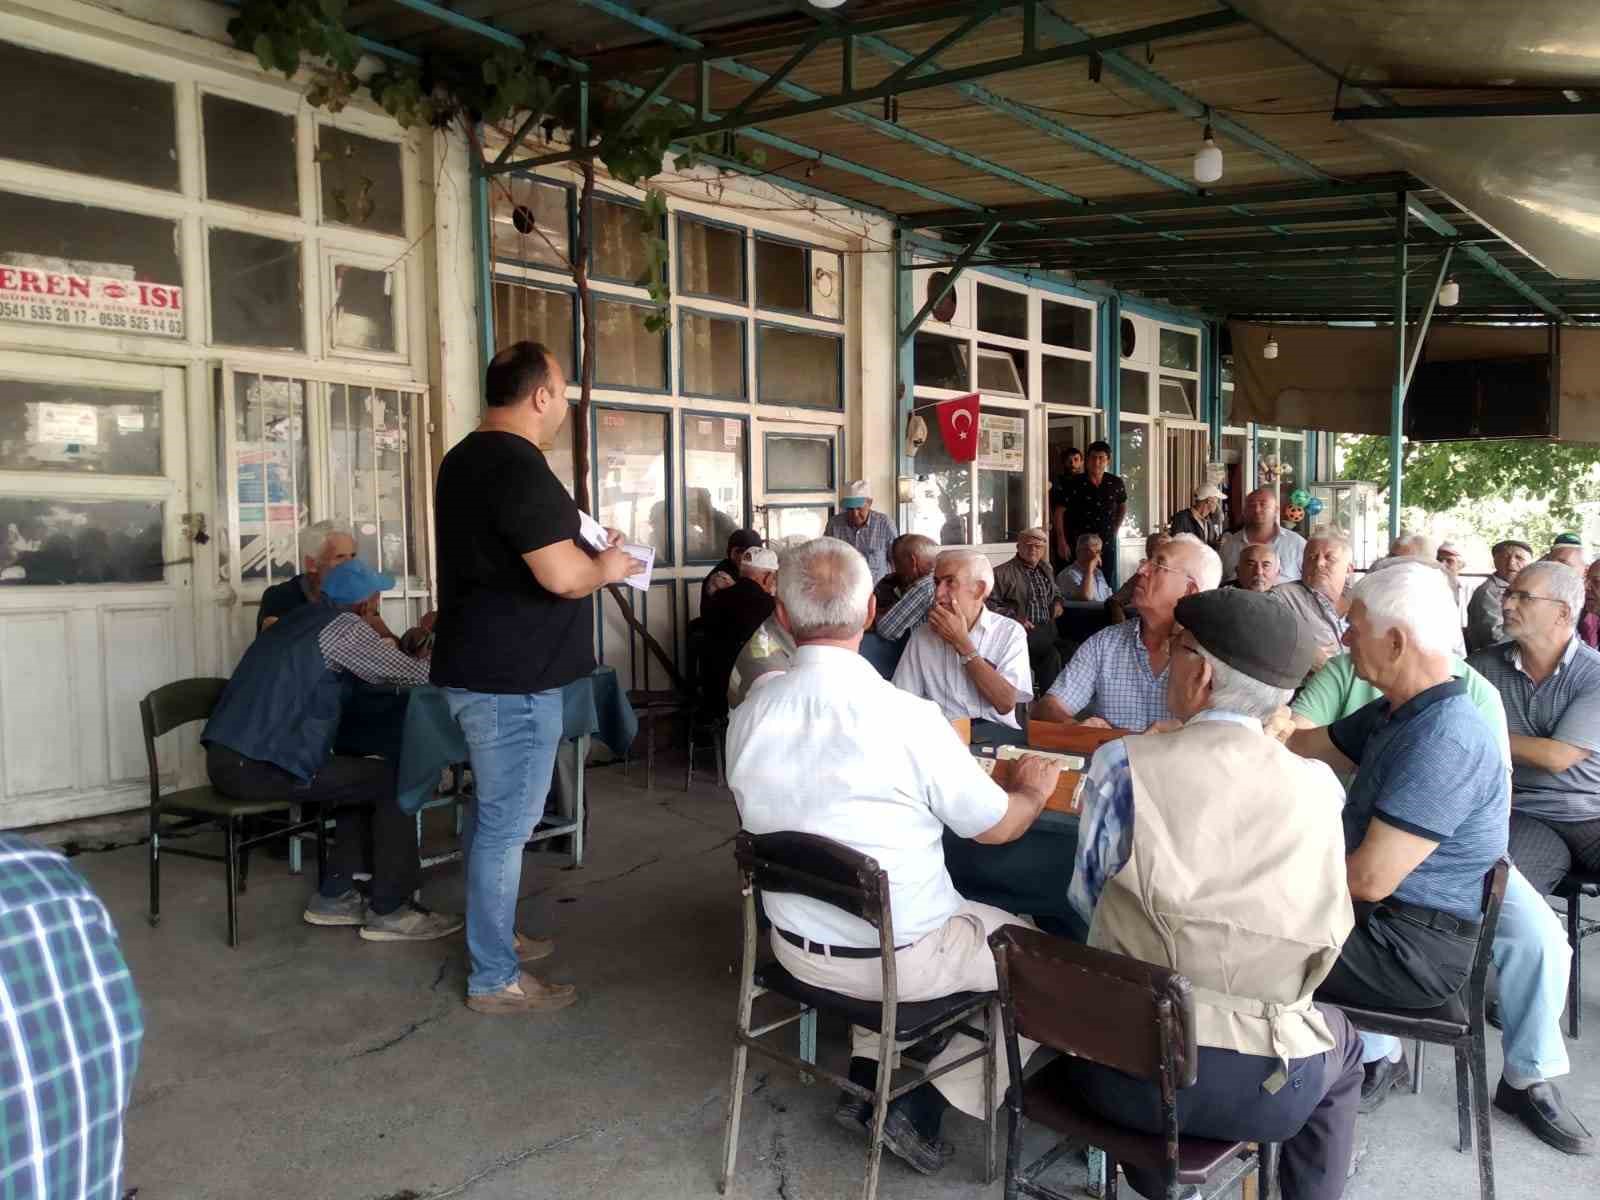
{"x":347,"y":909}
{"x":527,"y":994}
{"x":1382,"y":1077}
{"x":532,"y":949}
{"x":410,"y":923}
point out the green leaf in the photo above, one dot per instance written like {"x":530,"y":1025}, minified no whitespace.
{"x":263,"y":51}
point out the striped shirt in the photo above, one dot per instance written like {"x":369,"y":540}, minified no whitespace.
{"x":70,"y":1028}
{"x":910,"y":611}
{"x":1109,"y":677}
{"x":872,"y":539}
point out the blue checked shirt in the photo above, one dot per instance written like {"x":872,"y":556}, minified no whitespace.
{"x":70,"y":1028}
{"x":1109,"y":677}
{"x":872,"y":539}
{"x":908,"y":612}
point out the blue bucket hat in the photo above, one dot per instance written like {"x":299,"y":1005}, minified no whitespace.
{"x":353,"y":581}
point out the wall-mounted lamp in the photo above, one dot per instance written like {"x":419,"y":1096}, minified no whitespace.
{"x":1270,"y":350}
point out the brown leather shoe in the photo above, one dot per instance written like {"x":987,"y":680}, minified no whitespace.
{"x":532,"y":949}
{"x":527,"y":994}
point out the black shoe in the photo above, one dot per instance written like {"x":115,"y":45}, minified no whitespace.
{"x":852,"y":1113}
{"x":900,"y":1136}
{"x":1540,"y":1107}
{"x":1382,"y":1077}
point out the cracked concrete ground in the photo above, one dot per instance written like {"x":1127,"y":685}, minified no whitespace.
{"x":310,"y":1064}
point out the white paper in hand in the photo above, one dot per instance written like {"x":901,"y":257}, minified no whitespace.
{"x":592,"y":532}
{"x":646,"y":555}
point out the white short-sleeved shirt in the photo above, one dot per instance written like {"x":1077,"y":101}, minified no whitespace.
{"x":1289,"y":546}
{"x":831,"y":748}
{"x":931,"y":668}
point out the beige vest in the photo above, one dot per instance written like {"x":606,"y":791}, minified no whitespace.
{"x":1236,"y":880}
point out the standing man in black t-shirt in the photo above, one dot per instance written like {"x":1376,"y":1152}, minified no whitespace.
{"x":515,"y":626}
{"x":1095,"y":502}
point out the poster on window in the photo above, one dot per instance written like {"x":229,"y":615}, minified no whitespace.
{"x":48,"y":294}
{"x":266,"y":488}
{"x":1000,"y":442}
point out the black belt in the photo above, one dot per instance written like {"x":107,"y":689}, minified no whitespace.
{"x":1433,"y":918}
{"x":794,"y":939}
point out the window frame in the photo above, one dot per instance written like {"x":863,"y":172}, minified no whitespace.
{"x":546,"y":285}
{"x":621,"y":201}
{"x":570,"y":197}
{"x":833,"y":462}
{"x":332,"y":258}
{"x":746,"y":259}
{"x":747,"y":473}
{"x":776,"y":405}
{"x":669,"y":480}
{"x":666,"y":350}
{"x":761,"y":235}
{"x":683,"y":358}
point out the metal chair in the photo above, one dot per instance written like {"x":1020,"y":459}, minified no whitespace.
{"x":824,"y":870}
{"x":168,"y":708}
{"x":1116,"y":1011}
{"x":1459,"y":1024}
{"x":650,"y":707}
{"x":1573,"y":889}
{"x":708,"y":715}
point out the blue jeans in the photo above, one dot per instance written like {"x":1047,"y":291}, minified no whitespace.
{"x":1532,"y":957}
{"x":512,"y":742}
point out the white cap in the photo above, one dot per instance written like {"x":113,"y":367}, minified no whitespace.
{"x":857,"y":493}
{"x":762,"y":558}
{"x":1208,"y":491}
{"x":1450,"y":548}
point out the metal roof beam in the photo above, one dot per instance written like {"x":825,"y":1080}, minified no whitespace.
{"x":1155,"y":250}
{"x":1438,"y":112}
{"x":1242,"y":221}
{"x":1485,"y":260}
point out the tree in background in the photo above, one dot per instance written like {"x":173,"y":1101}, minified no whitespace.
{"x":1520,"y":488}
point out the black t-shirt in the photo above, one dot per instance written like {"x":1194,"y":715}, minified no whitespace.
{"x":498,"y":630}
{"x":1092,"y":509}
{"x":281,"y":599}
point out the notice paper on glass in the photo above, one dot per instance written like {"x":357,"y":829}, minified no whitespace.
{"x":646,"y":555}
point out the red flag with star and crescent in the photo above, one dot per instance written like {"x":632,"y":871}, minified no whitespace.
{"x":958,"y":425}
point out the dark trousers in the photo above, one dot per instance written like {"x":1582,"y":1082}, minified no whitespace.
{"x":1044,"y":656}
{"x":371,"y":834}
{"x":1313,"y":1115}
{"x":1028,"y":876}
{"x":1393,"y":960}
{"x":883,"y":654}
{"x":372,"y":720}
{"x":1546,"y":850}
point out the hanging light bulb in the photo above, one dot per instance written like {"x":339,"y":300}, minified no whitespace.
{"x":826,"y":3}
{"x":1270,"y":350}
{"x":1450,"y":294}
{"x":1208,"y":159}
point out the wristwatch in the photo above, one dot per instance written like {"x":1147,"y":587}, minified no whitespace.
{"x":966,"y":658}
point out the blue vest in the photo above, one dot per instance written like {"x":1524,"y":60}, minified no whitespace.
{"x":282,"y":704}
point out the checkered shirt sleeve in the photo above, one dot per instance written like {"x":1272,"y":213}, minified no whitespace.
{"x":70,"y":1029}
{"x":1105,"y":827}
{"x":350,"y":644}
{"x":1108,"y":677}
{"x":908,"y":612}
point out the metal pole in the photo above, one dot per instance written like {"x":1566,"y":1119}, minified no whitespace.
{"x":905,"y":365}
{"x":1397,"y":398}
{"x":481,"y":244}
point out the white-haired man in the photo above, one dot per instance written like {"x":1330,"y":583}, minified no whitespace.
{"x":1119,"y":676}
{"x":966,"y":658}
{"x":1082,"y":579}
{"x":1257,"y":570}
{"x":1261,"y":528}
{"x":730,"y":618}
{"x":323,"y":546}
{"x":829,"y":748}
{"x":1485,"y":623}
{"x":1317,"y":598}
{"x":1426,"y":815}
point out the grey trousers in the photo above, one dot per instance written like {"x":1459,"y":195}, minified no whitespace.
{"x":1546,"y":850}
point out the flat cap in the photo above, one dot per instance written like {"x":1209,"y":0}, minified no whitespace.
{"x":1253,"y":632}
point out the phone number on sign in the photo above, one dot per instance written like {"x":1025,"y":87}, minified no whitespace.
{"x":55,"y":314}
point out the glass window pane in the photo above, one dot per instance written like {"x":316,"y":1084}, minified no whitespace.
{"x":781,"y":276}
{"x":941,"y":362}
{"x":70,"y":427}
{"x":1002,"y":472}
{"x":827,"y":284}
{"x":557,"y":449}
{"x":714,"y":462}
{"x":80,"y":541}
{"x":627,"y":355}
{"x":362,"y":182}
{"x":710,"y":260}
{"x":1066,"y":380}
{"x":255,"y":291}
{"x":364,"y":411}
{"x":74,"y":116}
{"x":800,"y":521}
{"x":798,"y":462}
{"x":619,"y":242}
{"x":1180,"y":351}
{"x":630,"y":453}
{"x":532,"y":222}
{"x":363,"y":309}
{"x":1177,"y":397}
{"x":250,"y":155}
{"x":1068,"y":325}
{"x":1134,"y":442}
{"x":1003,"y":372}
{"x":88,"y":268}
{"x":543,"y":315}
{"x":1002,"y":311}
{"x":1135,"y":391}
{"x":941,"y":503}
{"x":273,"y":473}
{"x":389,"y":444}
{"x":800,"y":368}
{"x":713,"y":355}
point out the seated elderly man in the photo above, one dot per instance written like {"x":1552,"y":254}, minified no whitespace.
{"x":1419,"y":547}
{"x":1120,"y":606}
{"x":1317,"y":598}
{"x":731,"y":616}
{"x":271,"y":737}
{"x":1425,"y":817}
{"x":1257,"y":570}
{"x":726,"y":573}
{"x":1568,"y":549}
{"x":1261,"y":528}
{"x":967,"y":659}
{"x":1484,"y":622}
{"x":1118,"y":678}
{"x":1082,"y":578}
{"x":829,"y":748}
{"x":1025,"y":591}
{"x":885,"y":642}
{"x":911,"y":555}
{"x":1263,"y":922}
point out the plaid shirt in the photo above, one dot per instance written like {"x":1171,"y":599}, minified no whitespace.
{"x":70,"y":1028}
{"x":872,"y":539}
{"x":1110,"y":677}
{"x":908,"y":612}
{"x":1025,"y":593}
{"x":349,"y":644}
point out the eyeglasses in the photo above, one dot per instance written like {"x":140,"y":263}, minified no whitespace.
{"x":1520,"y":596}
{"x":1161,"y":566}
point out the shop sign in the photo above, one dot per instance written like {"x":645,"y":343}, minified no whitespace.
{"x":99,"y":302}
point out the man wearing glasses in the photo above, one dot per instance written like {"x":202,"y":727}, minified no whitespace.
{"x":1118,"y":678}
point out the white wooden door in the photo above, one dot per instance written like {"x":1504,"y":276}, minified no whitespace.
{"x":96,"y":591}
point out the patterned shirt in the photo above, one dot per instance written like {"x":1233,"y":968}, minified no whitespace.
{"x":910,"y":611}
{"x":349,"y":644}
{"x":1093,"y":508}
{"x":872,"y":539}
{"x":1025,"y":593}
{"x":1315,"y":611}
{"x":1109,"y":677}
{"x":70,"y":1028}
{"x":1071,"y":579}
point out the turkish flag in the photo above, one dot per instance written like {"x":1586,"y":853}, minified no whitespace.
{"x":958,"y":425}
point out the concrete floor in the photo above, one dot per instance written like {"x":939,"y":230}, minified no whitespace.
{"x":308,"y":1063}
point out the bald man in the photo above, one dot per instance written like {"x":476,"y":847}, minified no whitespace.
{"x":1261,"y":528}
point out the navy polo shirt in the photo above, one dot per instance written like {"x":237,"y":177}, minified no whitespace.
{"x":1431,"y":767}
